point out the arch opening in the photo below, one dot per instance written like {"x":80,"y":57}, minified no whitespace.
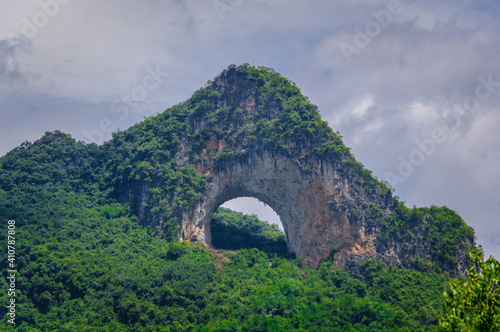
{"x":305,"y":202}
{"x":238,"y":224}
{"x":250,"y":205}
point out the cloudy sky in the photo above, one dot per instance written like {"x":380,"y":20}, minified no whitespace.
{"x":412,"y":86}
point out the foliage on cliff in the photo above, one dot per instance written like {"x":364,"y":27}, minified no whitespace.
{"x":436,"y":234}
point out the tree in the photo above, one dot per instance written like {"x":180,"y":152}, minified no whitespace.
{"x":473,"y":304}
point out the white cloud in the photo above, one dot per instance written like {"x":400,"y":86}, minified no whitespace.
{"x":422,"y":115}
{"x":362,"y":107}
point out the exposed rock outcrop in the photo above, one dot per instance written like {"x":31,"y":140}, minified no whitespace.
{"x":312,"y":205}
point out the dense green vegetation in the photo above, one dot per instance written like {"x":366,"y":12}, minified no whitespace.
{"x":474,"y":303}
{"x":437,"y":231}
{"x":144,"y":157}
{"x":86,"y":263}
{"x":102,"y":271}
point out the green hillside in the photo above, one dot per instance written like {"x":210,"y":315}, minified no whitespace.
{"x":92,"y":255}
{"x":100,"y":271}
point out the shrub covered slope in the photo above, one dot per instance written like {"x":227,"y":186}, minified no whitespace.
{"x":85,"y":262}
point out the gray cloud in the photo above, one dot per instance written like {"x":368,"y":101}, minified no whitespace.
{"x":12,"y":75}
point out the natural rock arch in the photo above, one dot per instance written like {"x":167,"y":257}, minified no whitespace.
{"x":317,"y":195}
{"x":312,"y":206}
{"x":250,"y":132}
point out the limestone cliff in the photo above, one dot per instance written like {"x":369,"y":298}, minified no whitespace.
{"x":250,"y":132}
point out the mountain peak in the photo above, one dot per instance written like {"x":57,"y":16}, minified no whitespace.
{"x":251,"y":133}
